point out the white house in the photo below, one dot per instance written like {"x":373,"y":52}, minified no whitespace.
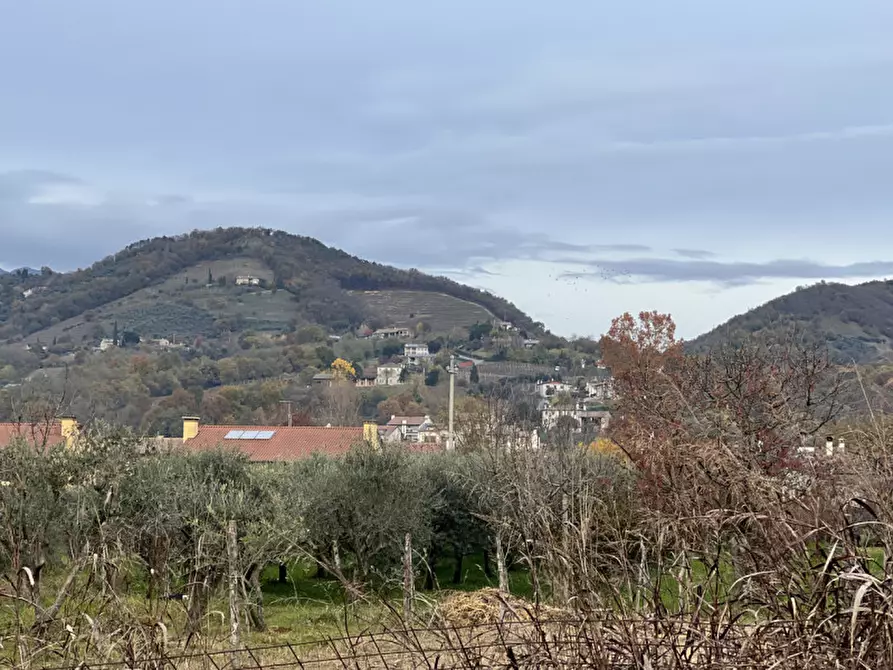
{"x":247,"y":280}
{"x":407,"y":428}
{"x":392,"y":333}
{"x":580,"y":414}
{"x":548,"y":389}
{"x":600,"y":389}
{"x":416,"y":354}
{"x":388,"y":374}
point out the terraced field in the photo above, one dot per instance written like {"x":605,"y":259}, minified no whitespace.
{"x":493,"y":371}
{"x":406,"y":308}
{"x":185,"y":306}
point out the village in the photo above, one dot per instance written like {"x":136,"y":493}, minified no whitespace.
{"x":578,"y":403}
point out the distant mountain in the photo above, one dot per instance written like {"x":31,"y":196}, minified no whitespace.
{"x":208,"y":283}
{"x":855,"y":321}
{"x":30,"y":271}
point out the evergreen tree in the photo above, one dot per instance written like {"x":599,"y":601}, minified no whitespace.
{"x":210,"y":277}
{"x":115,"y":334}
{"x":475,"y":377}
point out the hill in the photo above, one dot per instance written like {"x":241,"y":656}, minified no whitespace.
{"x":186,"y":286}
{"x":855,"y":321}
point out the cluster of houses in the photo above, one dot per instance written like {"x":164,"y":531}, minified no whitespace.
{"x":416,"y":357}
{"x":584,"y":402}
{"x":162,"y":343}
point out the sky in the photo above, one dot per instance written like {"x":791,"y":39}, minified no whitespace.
{"x":580,"y":158}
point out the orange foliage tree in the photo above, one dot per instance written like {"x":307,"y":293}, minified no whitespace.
{"x":759,"y":400}
{"x":645,"y":359}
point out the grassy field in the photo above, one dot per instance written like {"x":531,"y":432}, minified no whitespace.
{"x":407,"y":308}
{"x":310,"y":608}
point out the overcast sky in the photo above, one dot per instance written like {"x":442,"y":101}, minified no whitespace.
{"x":581,"y":158}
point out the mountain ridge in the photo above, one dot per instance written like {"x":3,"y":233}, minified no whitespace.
{"x":855,"y":321}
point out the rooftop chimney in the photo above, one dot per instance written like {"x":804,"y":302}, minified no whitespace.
{"x":370,"y":434}
{"x":190,"y":427}
{"x":69,"y":428}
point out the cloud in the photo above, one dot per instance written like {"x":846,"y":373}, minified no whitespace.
{"x":694,"y":253}
{"x":66,"y":222}
{"x":727,"y":274}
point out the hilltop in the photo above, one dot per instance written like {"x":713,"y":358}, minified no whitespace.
{"x":855,"y":321}
{"x":186,"y":286}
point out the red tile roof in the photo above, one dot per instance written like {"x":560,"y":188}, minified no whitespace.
{"x":41,"y":433}
{"x":286,"y":444}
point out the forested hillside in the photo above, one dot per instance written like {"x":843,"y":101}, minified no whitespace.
{"x":318,"y":278}
{"x":855,"y":321}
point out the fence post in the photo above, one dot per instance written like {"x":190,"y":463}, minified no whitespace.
{"x":235,"y":576}
{"x":565,"y":563}
{"x":500,"y":565}
{"x":408,"y":578}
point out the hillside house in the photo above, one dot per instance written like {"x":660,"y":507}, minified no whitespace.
{"x":506,"y":326}
{"x":105,"y":344}
{"x":27,"y":293}
{"x":392,"y":334}
{"x":600,"y":389}
{"x":407,"y":428}
{"x":388,"y":374}
{"x":530,"y":344}
{"x":463,"y":370}
{"x":581,"y":414}
{"x":247,"y":280}
{"x":549,"y":389}
{"x":416,"y":355}
{"x":323,"y":379}
{"x":277,"y":444}
{"x":366,"y":379}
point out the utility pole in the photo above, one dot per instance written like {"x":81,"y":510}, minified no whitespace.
{"x":452,"y":370}
{"x":287,"y":404}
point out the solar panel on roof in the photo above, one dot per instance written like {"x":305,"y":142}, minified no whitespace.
{"x":233,"y":435}
{"x":249,"y":435}
{"x":265,"y":434}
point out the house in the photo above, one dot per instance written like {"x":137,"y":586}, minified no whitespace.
{"x":323,"y":379}
{"x":582,"y":415}
{"x":27,"y":293}
{"x":366,"y":379}
{"x":600,"y":389}
{"x":549,"y":389}
{"x":407,"y":428}
{"x":388,"y":374}
{"x":247,"y":280}
{"x":105,"y":344}
{"x":392,"y":334}
{"x":463,"y":370}
{"x":505,"y":325}
{"x":277,"y":444}
{"x":64,"y":430}
{"x":530,"y":344}
{"x":416,"y":355}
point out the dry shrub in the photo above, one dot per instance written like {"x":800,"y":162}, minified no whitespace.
{"x":490,"y":606}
